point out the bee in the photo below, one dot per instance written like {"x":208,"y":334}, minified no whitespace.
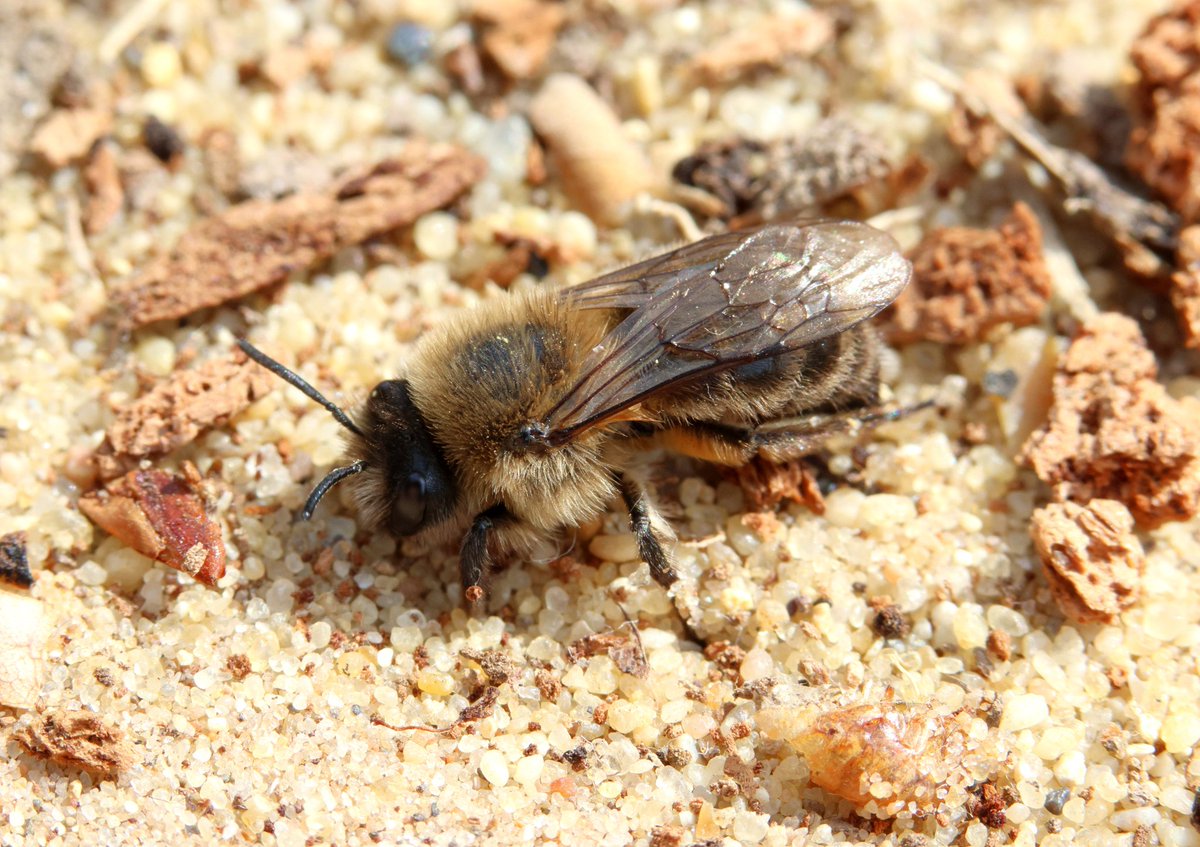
{"x":527,"y":415}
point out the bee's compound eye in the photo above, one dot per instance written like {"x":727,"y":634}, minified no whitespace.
{"x":408,"y":507}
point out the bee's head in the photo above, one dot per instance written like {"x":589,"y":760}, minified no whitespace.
{"x":406,"y":484}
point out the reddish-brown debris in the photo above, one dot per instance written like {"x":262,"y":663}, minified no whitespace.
{"x":79,"y":739}
{"x":518,"y":34}
{"x":767,"y":484}
{"x":625,"y":651}
{"x":1164,"y":147}
{"x":1114,"y":432}
{"x":968,"y":281}
{"x":179,"y":409}
{"x":1185,"y":285}
{"x":767,"y":44}
{"x":260,"y":242}
{"x":105,"y":193}
{"x":1092,"y":559}
{"x":164,"y":518}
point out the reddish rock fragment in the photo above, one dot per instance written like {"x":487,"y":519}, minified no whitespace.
{"x":1185,"y":285}
{"x":79,"y":739}
{"x":162,"y":517}
{"x":67,"y":134}
{"x":260,"y":242}
{"x":767,"y":484}
{"x":180,"y":408}
{"x":968,"y":281}
{"x":518,"y":34}
{"x":1164,"y":147}
{"x":767,"y":44}
{"x":1092,"y":559}
{"x":102,"y":181}
{"x":1114,"y":432}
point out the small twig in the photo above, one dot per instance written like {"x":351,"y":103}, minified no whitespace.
{"x":136,"y":18}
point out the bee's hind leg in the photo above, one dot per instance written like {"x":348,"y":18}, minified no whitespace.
{"x":642,"y":517}
{"x":794,"y":438}
{"x":474,"y":558}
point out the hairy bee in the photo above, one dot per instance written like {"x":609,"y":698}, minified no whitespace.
{"x":526,"y":415}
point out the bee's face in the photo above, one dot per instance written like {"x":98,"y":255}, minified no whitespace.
{"x":409,"y":485}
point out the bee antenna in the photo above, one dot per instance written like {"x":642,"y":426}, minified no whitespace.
{"x":331,"y":479}
{"x":294,"y":379}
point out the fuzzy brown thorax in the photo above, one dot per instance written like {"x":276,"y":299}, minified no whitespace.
{"x":480,"y":381}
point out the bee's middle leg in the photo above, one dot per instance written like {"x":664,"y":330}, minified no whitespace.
{"x":641,"y":521}
{"x":474,"y":557}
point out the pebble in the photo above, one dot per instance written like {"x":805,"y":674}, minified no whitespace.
{"x":409,"y":43}
{"x":750,"y":827}
{"x":23,"y":634}
{"x":615,"y":548}
{"x":406,"y":639}
{"x":1024,"y":711}
{"x":494,"y":768}
{"x":625,"y":717}
{"x":1130,"y":819}
{"x":970,"y":627}
{"x":436,"y":235}
{"x":1180,"y":732}
{"x":156,"y":355}
{"x":529,"y":769}
{"x":1071,"y":769}
{"x":1056,"y":799}
{"x":161,"y":65}
{"x":758,"y":664}
{"x":887,"y":510}
{"x":436,"y":683}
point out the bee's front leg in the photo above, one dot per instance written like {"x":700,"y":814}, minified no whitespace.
{"x":474,"y":558}
{"x":641,"y":521}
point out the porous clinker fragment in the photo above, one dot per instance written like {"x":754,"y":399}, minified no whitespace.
{"x":1114,"y":432}
{"x":179,"y":408}
{"x":77,"y":738}
{"x":1091,"y":557}
{"x":259,"y":242}
{"x":968,"y":281}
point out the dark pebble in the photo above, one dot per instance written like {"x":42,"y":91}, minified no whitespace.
{"x":409,"y":44}
{"x":1000,"y":383}
{"x":14,"y":564}
{"x":1056,"y":799}
{"x":162,"y":140}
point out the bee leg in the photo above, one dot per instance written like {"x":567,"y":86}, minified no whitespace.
{"x":474,"y":559}
{"x":783,"y":440}
{"x":641,"y":522}
{"x":709,"y":442}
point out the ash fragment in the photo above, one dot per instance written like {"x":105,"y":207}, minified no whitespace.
{"x":767,"y":180}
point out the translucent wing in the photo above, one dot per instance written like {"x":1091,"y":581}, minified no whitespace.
{"x":722,"y":302}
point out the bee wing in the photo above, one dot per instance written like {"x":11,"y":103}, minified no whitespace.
{"x":726,"y":301}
